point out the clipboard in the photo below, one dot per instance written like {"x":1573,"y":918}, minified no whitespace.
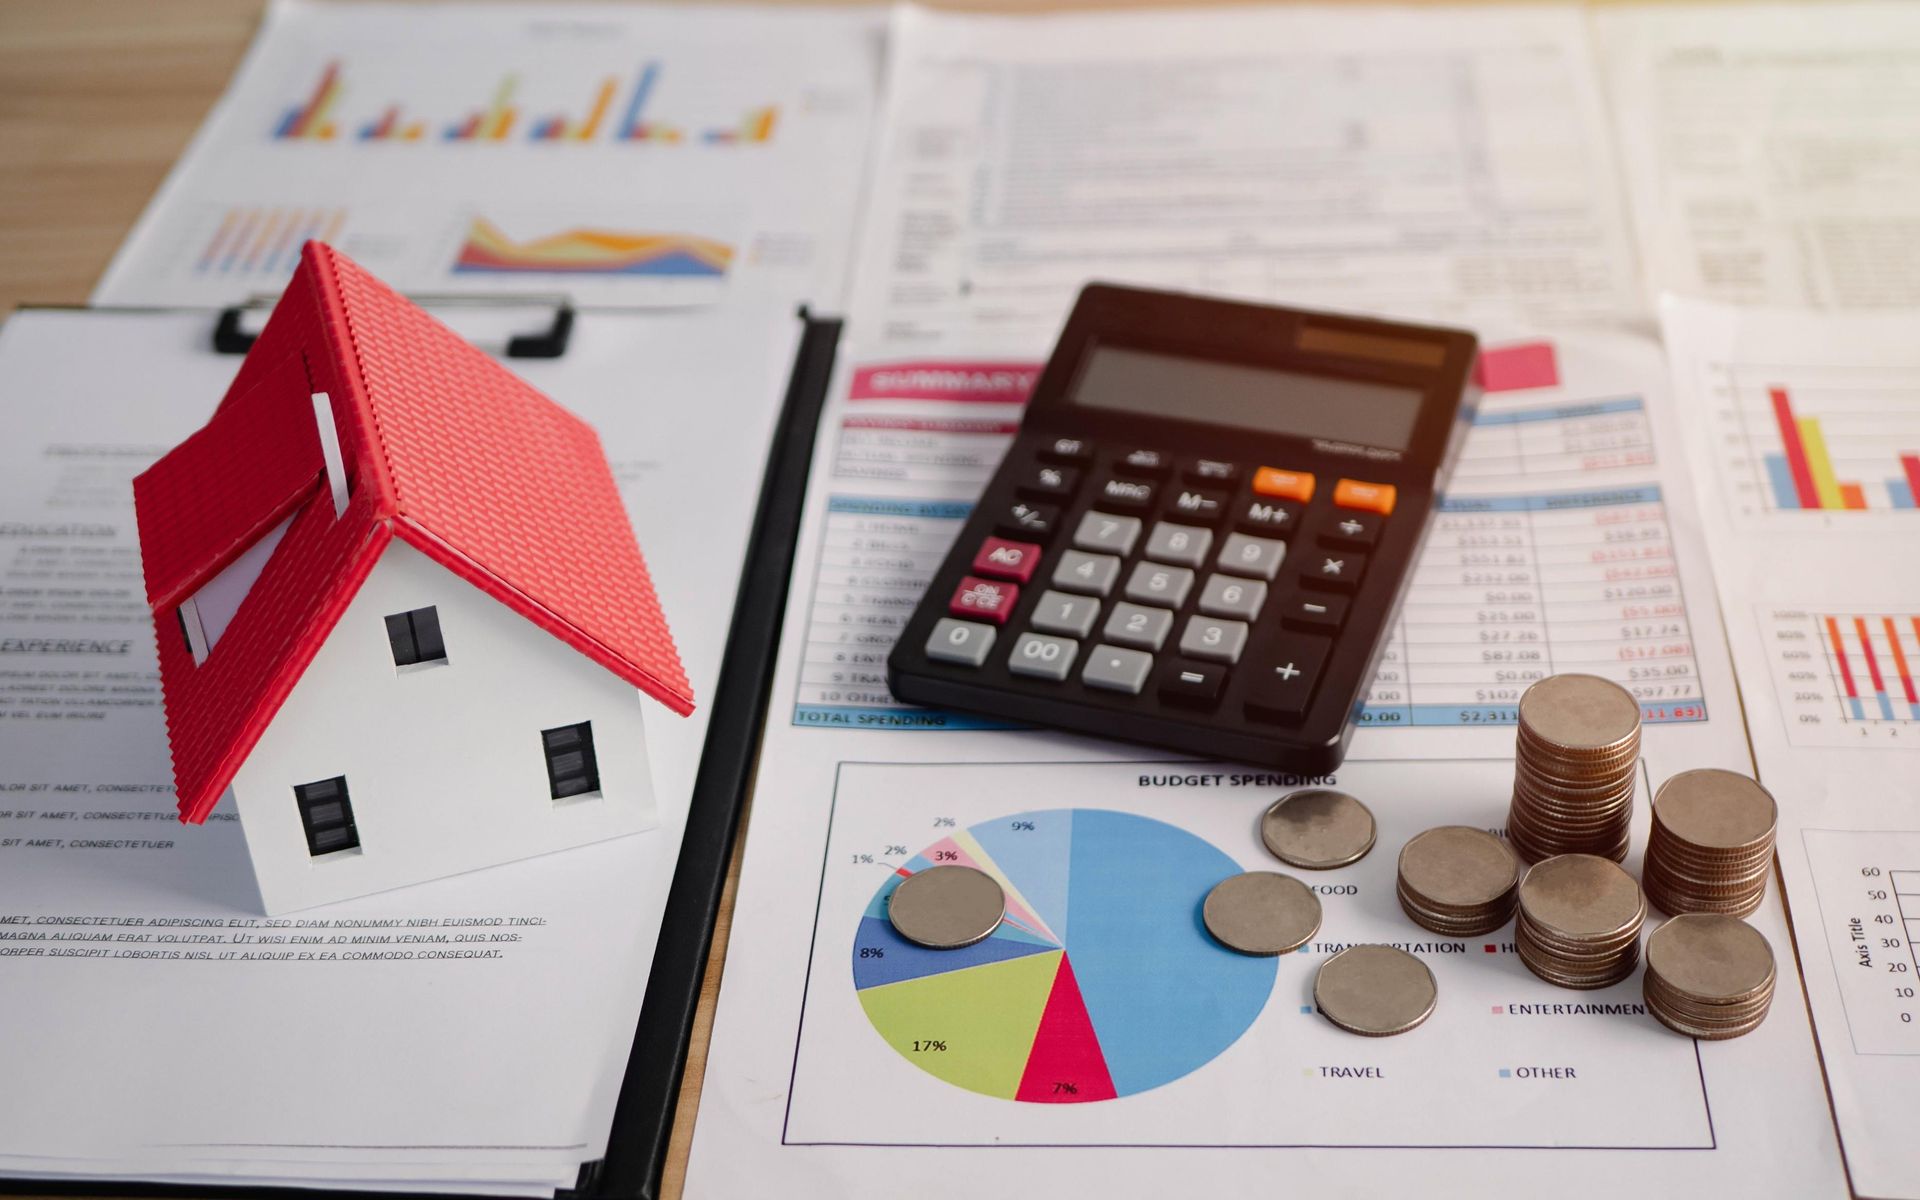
{"x":644,"y":1113}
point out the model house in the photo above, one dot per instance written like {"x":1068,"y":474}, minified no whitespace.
{"x":400,"y":610}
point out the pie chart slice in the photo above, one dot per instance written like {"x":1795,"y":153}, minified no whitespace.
{"x":1101,"y":982}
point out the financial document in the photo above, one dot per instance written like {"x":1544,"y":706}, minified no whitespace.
{"x":626,"y":155}
{"x":468,"y":1034}
{"x":1429,"y":162}
{"x":1804,"y":435}
{"x":1770,"y":148}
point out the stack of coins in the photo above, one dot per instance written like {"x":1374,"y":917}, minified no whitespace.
{"x":1574,"y":760}
{"x":1709,"y":976}
{"x":1579,"y":923}
{"x":1458,"y":881}
{"x":1711,"y":848}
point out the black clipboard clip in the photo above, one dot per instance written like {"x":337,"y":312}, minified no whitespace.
{"x":231,"y":336}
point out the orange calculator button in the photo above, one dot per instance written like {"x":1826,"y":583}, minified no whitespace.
{"x":1369,"y":497}
{"x":1288,"y":485}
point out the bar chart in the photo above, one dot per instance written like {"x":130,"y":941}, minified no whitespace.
{"x":1832,"y":439}
{"x":1844,"y":678}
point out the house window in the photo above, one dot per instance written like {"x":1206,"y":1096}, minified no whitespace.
{"x":571,"y":766}
{"x":327,"y":816}
{"x":415,"y":638}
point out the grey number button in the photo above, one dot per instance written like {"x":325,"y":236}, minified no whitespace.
{"x":1156,"y":584}
{"x":1251,"y":556}
{"x":1042,"y":657}
{"x":1132,"y":625}
{"x":1225,"y":596}
{"x":1108,"y":533}
{"x":1117,"y":670}
{"x":1081,"y":572}
{"x":963,"y":642}
{"x":1058,"y":612}
{"x":1182,"y":545}
{"x":1208,"y":637}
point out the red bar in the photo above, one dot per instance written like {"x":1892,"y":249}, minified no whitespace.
{"x":1910,"y":463}
{"x":1851,"y":496}
{"x":1796,"y":451}
{"x":313,"y":103}
{"x":1840,"y":654}
{"x":1873,"y":664}
{"x":468,"y":127}
{"x":1900,"y":659}
{"x":385,"y":128}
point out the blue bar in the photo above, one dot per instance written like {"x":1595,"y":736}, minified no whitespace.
{"x":1902,"y":493}
{"x":847,"y":716}
{"x":868,"y":506}
{"x":285,"y":127}
{"x":1561,"y":412}
{"x":1781,"y":476}
{"x":1886,"y":706}
{"x":1552,"y":501}
{"x":1859,"y":714}
{"x":640,"y":90}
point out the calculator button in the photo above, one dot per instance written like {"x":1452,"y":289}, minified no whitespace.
{"x":1127,"y":493}
{"x":1143,"y":462}
{"x":1352,"y":529}
{"x":1251,"y":556}
{"x":1155,"y":584}
{"x":961,"y":642}
{"x":1040,"y":657}
{"x":1281,"y":683}
{"x":984,"y":600}
{"x":1268,"y":517}
{"x":1023,"y":517}
{"x":1227,"y":596}
{"x":1078,"y":571}
{"x":1198,"y":505}
{"x":1191,"y":684}
{"x":1367,"y":497}
{"x":1116,"y":670}
{"x":1136,"y":625}
{"x":1069,"y":449}
{"x":1058,"y":612}
{"x":1182,"y":545}
{"x":1004,"y":559}
{"x":1108,"y":533}
{"x":1211,"y":637}
{"x":1048,"y":480}
{"x":1335,"y":569}
{"x":1314,"y":611}
{"x":1287,"y":485}
{"x":1210,"y":470}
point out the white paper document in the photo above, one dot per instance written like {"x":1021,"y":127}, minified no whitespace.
{"x":470,"y":1032}
{"x":622,"y":154}
{"x":1804,"y":433}
{"x":1771,"y":148}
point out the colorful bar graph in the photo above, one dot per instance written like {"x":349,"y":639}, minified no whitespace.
{"x":1802,"y":475}
{"x":756,"y":127}
{"x":632,"y":127}
{"x":1839,"y":648}
{"x":1873,"y":668}
{"x":556,"y":128}
{"x":1875,"y":673}
{"x":492,"y":124}
{"x":387,"y":127}
{"x":310,"y":120}
{"x":265,"y":242}
{"x":1900,"y":662}
{"x":1803,"y":495}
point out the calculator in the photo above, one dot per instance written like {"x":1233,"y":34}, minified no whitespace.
{"x":1202,"y":531}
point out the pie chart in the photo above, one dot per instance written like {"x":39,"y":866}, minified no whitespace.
{"x":1100,"y":982}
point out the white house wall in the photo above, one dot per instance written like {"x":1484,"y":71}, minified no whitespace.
{"x":444,"y":764}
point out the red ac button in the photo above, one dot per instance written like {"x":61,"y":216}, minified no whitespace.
{"x":1003,"y":559}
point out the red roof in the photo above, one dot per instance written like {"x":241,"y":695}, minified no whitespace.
{"x":445,"y":449}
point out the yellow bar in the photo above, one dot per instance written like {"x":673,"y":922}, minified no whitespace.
{"x":318,"y":124}
{"x":600,"y":104}
{"x":1824,"y":483}
{"x":494,"y":124}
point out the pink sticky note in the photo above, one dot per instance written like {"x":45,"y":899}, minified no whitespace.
{"x":1511,"y":368}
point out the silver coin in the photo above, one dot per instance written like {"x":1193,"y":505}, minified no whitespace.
{"x":945,"y":908}
{"x":1262,"y":912}
{"x":1581,"y":897}
{"x":1318,"y":829}
{"x":1580,"y":714}
{"x":1711,"y":958}
{"x":1715,"y":810}
{"x":1459,"y":867}
{"x":1374,"y":991}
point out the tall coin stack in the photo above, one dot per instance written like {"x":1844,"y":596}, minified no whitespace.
{"x":1574,"y":759}
{"x":1711,"y":847}
{"x":1709,"y":976}
{"x":1579,"y":924}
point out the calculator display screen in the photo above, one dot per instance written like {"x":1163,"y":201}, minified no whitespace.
{"x":1121,"y":379}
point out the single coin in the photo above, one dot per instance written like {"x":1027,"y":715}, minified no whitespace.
{"x":945,"y":908}
{"x":1711,"y":958}
{"x":1374,"y":991}
{"x":1456,"y":866}
{"x":1581,"y":896}
{"x":1318,"y":829}
{"x":1580,"y":714}
{"x":1718,"y":810}
{"x":1262,"y":912}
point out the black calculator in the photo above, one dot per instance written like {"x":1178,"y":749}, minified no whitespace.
{"x":1202,"y":531}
